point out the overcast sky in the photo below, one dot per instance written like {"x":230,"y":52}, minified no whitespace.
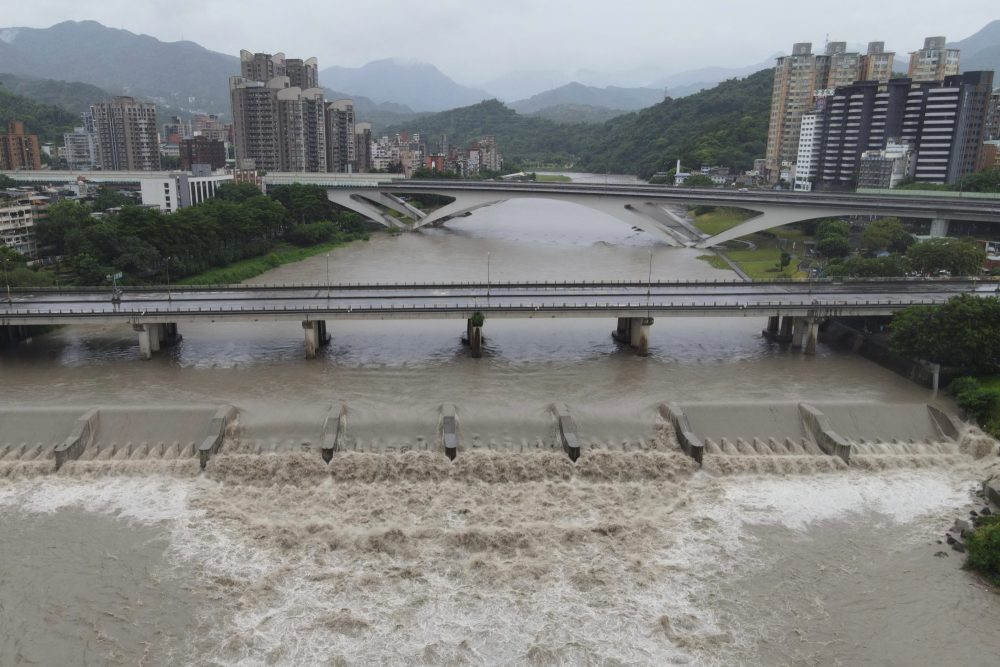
{"x":475,"y":41}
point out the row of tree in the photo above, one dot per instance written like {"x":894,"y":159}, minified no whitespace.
{"x":148,"y":246}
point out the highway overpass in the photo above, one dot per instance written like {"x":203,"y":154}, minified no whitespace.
{"x":642,"y":206}
{"x":155,"y":312}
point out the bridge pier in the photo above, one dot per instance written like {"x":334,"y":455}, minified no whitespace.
{"x":474,"y":334}
{"x":315,"y":336}
{"x":634,"y":332}
{"x":939,"y":227}
{"x":811,"y":334}
{"x":798,"y":332}
{"x":13,"y":334}
{"x":155,"y":335}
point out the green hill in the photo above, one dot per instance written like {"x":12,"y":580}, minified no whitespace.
{"x":725,"y":125}
{"x":47,"y":121}
{"x":520,"y":137}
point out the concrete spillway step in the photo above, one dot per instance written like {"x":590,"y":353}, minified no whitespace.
{"x":757,"y":437}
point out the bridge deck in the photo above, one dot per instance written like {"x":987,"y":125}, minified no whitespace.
{"x":500,"y":300}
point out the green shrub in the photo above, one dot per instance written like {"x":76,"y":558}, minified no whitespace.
{"x":477,"y":319}
{"x":983,"y":547}
{"x":982,"y":403}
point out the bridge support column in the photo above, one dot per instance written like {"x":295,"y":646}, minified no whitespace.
{"x":812,"y":334}
{"x":785,"y":334}
{"x":168,"y":334}
{"x":639,"y":334}
{"x":939,"y":228}
{"x":474,"y":335}
{"x":145,"y":340}
{"x":798,"y":332}
{"x":772,"y":326}
{"x":13,"y":334}
{"x":315,"y":336}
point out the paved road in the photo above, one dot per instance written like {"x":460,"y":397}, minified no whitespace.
{"x":690,"y":299}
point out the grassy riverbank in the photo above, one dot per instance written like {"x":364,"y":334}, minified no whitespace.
{"x":283,"y":253}
{"x":762,"y":254}
{"x":552,"y":178}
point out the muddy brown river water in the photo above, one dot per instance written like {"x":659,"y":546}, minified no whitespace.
{"x":630,"y":557}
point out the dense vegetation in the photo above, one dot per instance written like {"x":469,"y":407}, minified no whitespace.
{"x":47,"y":121}
{"x":983,"y":547}
{"x":726,"y":125}
{"x":147,"y":246}
{"x":980,"y":181}
{"x":962,"y":333}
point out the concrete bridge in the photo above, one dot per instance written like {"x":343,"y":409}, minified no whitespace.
{"x":638,"y":205}
{"x":793,"y":310}
{"x":643,"y":206}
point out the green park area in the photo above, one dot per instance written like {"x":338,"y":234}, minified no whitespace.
{"x":552,"y":178}
{"x":758,"y":255}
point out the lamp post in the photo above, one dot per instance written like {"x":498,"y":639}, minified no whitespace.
{"x":328,"y":278}
{"x":487,"y":275}
{"x":169,"y":297}
{"x":649,"y":286}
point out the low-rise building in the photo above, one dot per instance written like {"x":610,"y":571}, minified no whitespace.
{"x":18,"y":217}
{"x":180,"y":189}
{"x":888,"y":167}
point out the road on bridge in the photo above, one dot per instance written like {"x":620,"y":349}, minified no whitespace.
{"x":315,"y":302}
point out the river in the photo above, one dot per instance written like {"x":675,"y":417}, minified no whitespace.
{"x":512,"y":558}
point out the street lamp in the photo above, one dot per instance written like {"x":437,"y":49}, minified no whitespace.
{"x":328,"y":277}
{"x":649,"y":286}
{"x":169,"y":297}
{"x":487,"y":275}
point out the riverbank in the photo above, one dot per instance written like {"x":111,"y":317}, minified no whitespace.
{"x":283,"y":253}
{"x":760,"y":259}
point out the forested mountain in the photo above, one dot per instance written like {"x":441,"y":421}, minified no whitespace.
{"x":577,"y":113}
{"x":520,"y":137}
{"x":726,"y":125}
{"x":47,"y":121}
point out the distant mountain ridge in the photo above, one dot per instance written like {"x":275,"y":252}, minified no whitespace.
{"x":981,"y":51}
{"x":420,"y":86}
{"x":609,"y":97}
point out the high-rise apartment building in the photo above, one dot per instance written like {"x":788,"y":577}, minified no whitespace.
{"x":19,"y":150}
{"x":363,"y":146}
{"x":933,"y":62}
{"x":953,"y":127}
{"x":127,"y":137}
{"x":876,"y":65}
{"x":202,"y":150}
{"x":277,"y":125}
{"x":810,"y":145}
{"x":798,"y":78}
{"x":942,"y":126}
{"x":993,"y":117}
{"x":302,"y":74}
{"x":342,"y":150}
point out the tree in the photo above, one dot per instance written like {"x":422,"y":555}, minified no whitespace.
{"x":62,"y":218}
{"x":827,"y":228}
{"x":7,"y":182}
{"x":237,"y":192}
{"x":957,"y":257}
{"x":833,"y":246}
{"x":107,"y":198}
{"x":869,"y":267}
{"x":964,"y":332}
{"x":981,"y":181}
{"x":784,"y":260}
{"x":886,"y":234}
{"x":698,"y":181}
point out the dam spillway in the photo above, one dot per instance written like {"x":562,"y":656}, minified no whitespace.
{"x":722,"y":438}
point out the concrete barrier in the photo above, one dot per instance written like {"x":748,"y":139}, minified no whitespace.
{"x":83,"y":433}
{"x":449,"y":430}
{"x":690,"y":443}
{"x":567,"y":432}
{"x":211,"y":444}
{"x":823,"y":434}
{"x":334,"y":426}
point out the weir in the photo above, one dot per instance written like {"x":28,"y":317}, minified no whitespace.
{"x":722,"y":437}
